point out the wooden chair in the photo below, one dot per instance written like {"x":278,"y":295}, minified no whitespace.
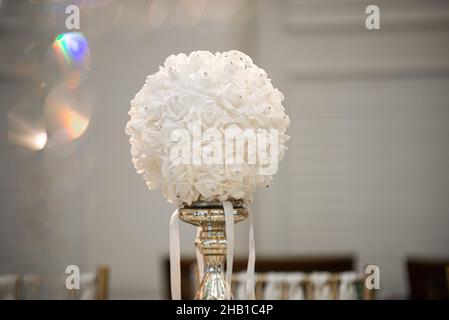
{"x":93,"y":285}
{"x":103,"y":279}
{"x":428,"y":278}
{"x":308,"y":286}
{"x":97,"y":283}
{"x":9,"y":286}
{"x":447,"y":277}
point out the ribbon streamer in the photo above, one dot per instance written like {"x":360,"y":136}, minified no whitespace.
{"x":175,"y":257}
{"x":229,"y":227}
{"x":251,"y":260}
{"x":199,"y":256}
{"x":347,"y":289}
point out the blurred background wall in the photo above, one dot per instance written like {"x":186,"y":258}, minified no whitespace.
{"x":367,"y":171}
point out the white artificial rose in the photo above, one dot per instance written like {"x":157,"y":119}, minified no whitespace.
{"x":151,"y":112}
{"x":137,"y":148}
{"x":209,"y":186}
{"x":235,"y":172}
{"x":152,"y":138}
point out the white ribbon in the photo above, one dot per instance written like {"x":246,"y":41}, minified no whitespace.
{"x":240,"y":291}
{"x":229,"y":227}
{"x":347,"y":290}
{"x":273,"y":286}
{"x":8,"y":285}
{"x":199,"y":256}
{"x":175,"y":257}
{"x":322,"y":290}
{"x":295,"y":281}
{"x":251,"y":260}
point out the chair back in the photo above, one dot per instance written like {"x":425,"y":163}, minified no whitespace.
{"x":428,"y":279}
{"x":93,"y":285}
{"x":346,"y":285}
{"x":308,"y":264}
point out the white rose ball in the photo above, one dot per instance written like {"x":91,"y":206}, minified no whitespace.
{"x":199,"y":93}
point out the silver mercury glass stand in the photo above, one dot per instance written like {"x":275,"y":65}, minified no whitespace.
{"x":212,"y":243}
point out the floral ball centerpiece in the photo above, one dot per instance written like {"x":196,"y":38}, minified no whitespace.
{"x":202,"y":91}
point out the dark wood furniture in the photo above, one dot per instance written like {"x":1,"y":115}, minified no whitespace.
{"x":427,"y":278}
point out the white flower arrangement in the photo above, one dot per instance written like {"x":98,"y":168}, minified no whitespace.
{"x":222,"y":91}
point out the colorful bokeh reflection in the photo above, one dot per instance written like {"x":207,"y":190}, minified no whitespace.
{"x":74,"y":57}
{"x":73,"y":122}
{"x":67,"y":114}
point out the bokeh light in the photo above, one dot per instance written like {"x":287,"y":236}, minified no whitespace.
{"x":157,"y":13}
{"x":67,"y":114}
{"x":219,"y":10}
{"x":95,"y":3}
{"x":97,"y":16}
{"x":58,"y":7}
{"x":26,"y":131}
{"x":73,"y":122}
{"x":40,"y":139}
{"x":190,"y":12}
{"x":100,"y":17}
{"x":28,"y":65}
{"x":68,"y":60}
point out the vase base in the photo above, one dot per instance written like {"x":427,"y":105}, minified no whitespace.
{"x":212,"y":243}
